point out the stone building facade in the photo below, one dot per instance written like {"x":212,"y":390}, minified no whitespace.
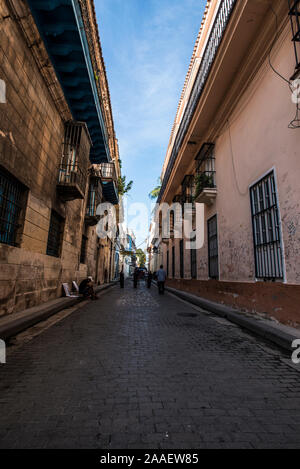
{"x":234,"y":147}
{"x":49,"y":139}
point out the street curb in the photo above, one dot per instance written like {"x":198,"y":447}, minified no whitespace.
{"x":280,"y":335}
{"x":19,"y":324}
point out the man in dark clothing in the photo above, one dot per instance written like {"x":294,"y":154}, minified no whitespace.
{"x":161,"y":278}
{"x":135,"y":277}
{"x":122,"y":278}
{"x":86,"y":288}
{"x":149,"y":279}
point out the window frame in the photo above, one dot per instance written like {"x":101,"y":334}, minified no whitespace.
{"x":59,"y":220}
{"x":210,"y":257}
{"x":263,"y":234}
{"x":16,"y":188}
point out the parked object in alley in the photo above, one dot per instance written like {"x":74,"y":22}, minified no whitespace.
{"x":161,"y":279}
{"x":67,"y":291}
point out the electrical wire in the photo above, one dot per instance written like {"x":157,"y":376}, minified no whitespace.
{"x":295,"y":123}
{"x":233,"y":163}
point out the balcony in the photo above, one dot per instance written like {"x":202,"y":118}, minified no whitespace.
{"x":94,"y":199}
{"x":109,"y":179}
{"x":216,"y":35}
{"x":205,"y":179}
{"x":294,"y":13}
{"x":108,"y":171}
{"x":206,"y":190}
{"x":72,"y":175}
{"x":71,"y":182}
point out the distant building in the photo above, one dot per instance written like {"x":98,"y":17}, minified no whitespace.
{"x":235,"y":148}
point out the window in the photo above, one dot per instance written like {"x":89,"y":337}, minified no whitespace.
{"x":188,"y":189}
{"x":12,"y":198}
{"x":83,"y":249}
{"x":266,"y":229}
{"x":181,"y":258}
{"x":213,"y":256}
{"x":173,"y":261}
{"x":55,"y":234}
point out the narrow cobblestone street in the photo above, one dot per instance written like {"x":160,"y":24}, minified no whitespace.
{"x":139,"y":370}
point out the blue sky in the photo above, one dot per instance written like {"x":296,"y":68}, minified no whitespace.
{"x":147,"y":46}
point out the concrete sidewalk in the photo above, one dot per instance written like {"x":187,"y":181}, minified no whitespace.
{"x":270,"y":330}
{"x":17,"y":322}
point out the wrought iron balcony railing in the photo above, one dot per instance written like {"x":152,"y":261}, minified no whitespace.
{"x":72,"y":180}
{"x":72,"y":176}
{"x":215,"y":38}
{"x":94,"y":199}
{"x":294,"y":12}
{"x":108,"y":171}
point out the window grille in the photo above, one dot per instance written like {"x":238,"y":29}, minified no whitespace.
{"x":266,"y":229}
{"x":213,"y":255}
{"x":83,"y":249}
{"x":11,"y":204}
{"x":55,"y":235}
{"x":188,"y":189}
{"x":173,"y":261}
{"x":94,"y":197}
{"x":74,"y":161}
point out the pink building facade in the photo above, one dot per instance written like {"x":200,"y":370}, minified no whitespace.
{"x":235,"y":147}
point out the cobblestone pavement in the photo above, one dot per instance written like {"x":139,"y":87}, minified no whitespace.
{"x":131,"y":370}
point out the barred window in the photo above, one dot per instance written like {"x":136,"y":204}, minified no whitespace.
{"x":213,"y":252}
{"x":168,"y":263}
{"x":12,"y":201}
{"x":266,"y":229}
{"x":55,"y":235}
{"x":173,"y":261}
{"x":83,"y":249}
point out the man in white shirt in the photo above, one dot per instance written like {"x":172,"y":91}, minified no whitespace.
{"x":161,"y":278}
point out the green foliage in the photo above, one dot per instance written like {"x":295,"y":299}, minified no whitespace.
{"x":141,"y":257}
{"x":202,"y":181}
{"x":123,"y":188}
{"x":155,"y":192}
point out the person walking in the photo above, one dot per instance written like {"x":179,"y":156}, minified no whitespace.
{"x":122,"y":277}
{"x":149,"y":279}
{"x":161,"y":278}
{"x":135,"y":277}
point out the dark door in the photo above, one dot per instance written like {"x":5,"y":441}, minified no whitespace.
{"x":181,"y":259}
{"x":213,"y":256}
